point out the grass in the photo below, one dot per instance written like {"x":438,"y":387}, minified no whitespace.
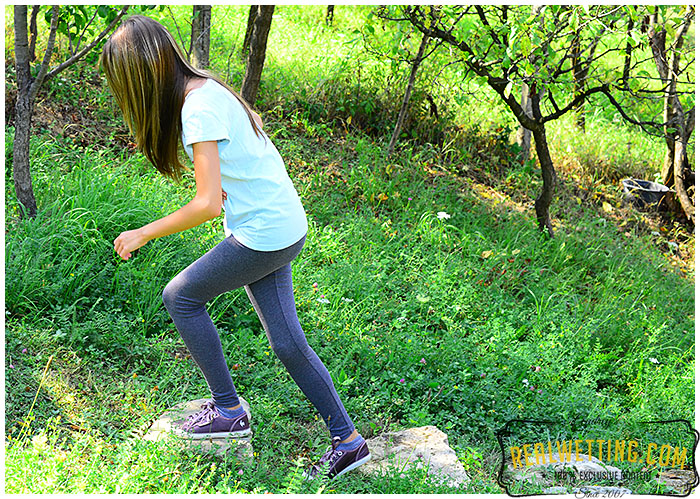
{"x":421,"y":319}
{"x":428,"y":321}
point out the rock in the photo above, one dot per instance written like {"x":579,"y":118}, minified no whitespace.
{"x":426,"y":446}
{"x":679,"y":480}
{"x":176,"y":415}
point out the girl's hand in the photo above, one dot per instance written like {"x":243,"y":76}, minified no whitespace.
{"x":129,"y":241}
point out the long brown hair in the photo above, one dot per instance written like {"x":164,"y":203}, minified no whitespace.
{"x":148,"y":73}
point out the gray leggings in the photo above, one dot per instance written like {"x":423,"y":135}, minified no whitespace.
{"x":267,"y":277}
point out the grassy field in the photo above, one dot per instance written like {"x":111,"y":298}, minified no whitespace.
{"x":463,"y":322}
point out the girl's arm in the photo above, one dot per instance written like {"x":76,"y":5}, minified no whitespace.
{"x":205,"y":205}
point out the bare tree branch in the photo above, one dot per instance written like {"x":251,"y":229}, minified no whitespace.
{"x":574,"y":102}
{"x":80,"y":38}
{"x":41,"y":75}
{"x":33,"y":31}
{"x":179,"y":35}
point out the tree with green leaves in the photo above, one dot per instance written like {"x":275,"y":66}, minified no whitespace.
{"x":671,"y":113}
{"x":415,"y":63}
{"x":664,"y":105}
{"x":505,"y":47}
{"x":403,"y":46}
{"x":77,"y":24}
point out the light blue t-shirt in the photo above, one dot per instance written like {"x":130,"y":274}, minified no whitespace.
{"x":262,"y":210}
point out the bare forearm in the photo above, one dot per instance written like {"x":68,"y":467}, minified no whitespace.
{"x":191,"y":215}
{"x":205,"y":205}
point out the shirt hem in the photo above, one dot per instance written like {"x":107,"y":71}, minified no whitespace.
{"x":251,"y":244}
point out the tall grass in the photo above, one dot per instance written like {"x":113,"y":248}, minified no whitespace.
{"x":420,"y":318}
{"x":423,"y":321}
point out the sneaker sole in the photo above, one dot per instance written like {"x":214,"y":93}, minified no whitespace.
{"x":213,"y":436}
{"x":355,"y":465}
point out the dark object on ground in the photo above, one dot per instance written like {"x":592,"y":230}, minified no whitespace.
{"x":644,"y":193}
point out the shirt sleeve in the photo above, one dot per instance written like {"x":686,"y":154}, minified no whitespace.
{"x":202,"y":122}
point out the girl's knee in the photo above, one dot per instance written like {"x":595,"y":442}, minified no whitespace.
{"x":168,"y":296}
{"x":291,"y":353}
{"x":173,"y":294}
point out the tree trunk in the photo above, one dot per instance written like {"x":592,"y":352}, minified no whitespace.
{"x":27,"y":89}
{"x":524,"y":136}
{"x":26,"y":92}
{"x":201,"y":28}
{"x":667,"y":168}
{"x":33,"y":32}
{"x":657,"y":42}
{"x":329,"y":15}
{"x":544,"y":200}
{"x":256,"y":56}
{"x":680,"y":157}
{"x":20,"y":157}
{"x":549,"y":175}
{"x":252,"y":12}
{"x":579,"y":78}
{"x":676,"y":170}
{"x":407,"y":94}
{"x":680,"y":162}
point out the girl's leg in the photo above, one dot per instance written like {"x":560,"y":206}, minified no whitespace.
{"x":227,"y":266}
{"x":230,"y":265}
{"x":273,"y":299}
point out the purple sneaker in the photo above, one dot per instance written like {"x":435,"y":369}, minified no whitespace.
{"x":339,"y":461}
{"x":209,"y":423}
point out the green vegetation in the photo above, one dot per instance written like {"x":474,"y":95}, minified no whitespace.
{"x":463,"y":322}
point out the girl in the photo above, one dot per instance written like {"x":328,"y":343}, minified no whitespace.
{"x":164,"y":100}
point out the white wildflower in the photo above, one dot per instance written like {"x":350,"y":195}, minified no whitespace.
{"x":442,"y":215}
